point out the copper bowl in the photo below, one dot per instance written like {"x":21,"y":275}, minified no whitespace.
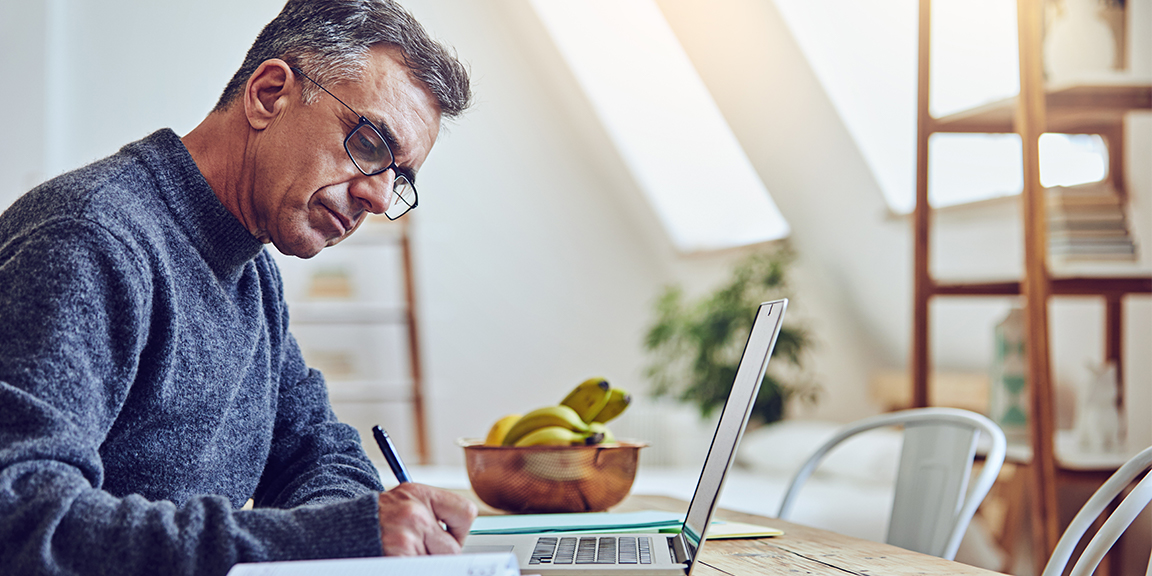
{"x":540,"y":479}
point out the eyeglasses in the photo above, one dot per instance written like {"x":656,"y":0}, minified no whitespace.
{"x":369,"y":151}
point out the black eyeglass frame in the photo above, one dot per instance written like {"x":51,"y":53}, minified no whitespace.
{"x":400,"y":182}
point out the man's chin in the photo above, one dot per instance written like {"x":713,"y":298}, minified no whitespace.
{"x":303,"y":250}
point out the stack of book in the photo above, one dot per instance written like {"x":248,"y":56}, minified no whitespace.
{"x":1088,"y":222}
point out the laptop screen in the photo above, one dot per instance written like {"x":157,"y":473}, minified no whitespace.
{"x":733,"y":418}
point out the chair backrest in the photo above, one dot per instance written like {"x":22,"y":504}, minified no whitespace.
{"x":932,"y":505}
{"x":1117,"y":522}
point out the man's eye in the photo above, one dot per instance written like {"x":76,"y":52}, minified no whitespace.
{"x":368,"y":149}
{"x":365,"y":145}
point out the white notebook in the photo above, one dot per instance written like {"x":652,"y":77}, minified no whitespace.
{"x":501,"y":564}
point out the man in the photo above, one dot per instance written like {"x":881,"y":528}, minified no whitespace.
{"x":149,"y":386}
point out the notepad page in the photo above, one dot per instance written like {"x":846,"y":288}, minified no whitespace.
{"x":502,"y":564}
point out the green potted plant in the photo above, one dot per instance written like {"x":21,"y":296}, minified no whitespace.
{"x":696,"y":346}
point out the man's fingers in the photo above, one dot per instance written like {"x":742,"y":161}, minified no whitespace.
{"x":455,"y":511}
{"x":411,"y":517}
{"x":441,"y":542}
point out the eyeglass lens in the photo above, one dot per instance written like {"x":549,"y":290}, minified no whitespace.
{"x":372,"y":156}
{"x":368,"y":150}
{"x":403,"y":198}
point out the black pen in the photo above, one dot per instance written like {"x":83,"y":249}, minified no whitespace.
{"x":390,"y":454}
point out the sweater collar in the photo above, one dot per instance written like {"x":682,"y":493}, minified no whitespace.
{"x":216,"y":234}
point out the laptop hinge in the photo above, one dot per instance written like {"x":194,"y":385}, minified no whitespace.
{"x":679,"y":549}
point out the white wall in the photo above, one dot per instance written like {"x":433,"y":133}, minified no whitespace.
{"x":537,"y":260}
{"x":532,"y":277}
{"x":564,"y":244}
{"x":23,"y":27}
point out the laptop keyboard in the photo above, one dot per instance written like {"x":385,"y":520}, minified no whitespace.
{"x":592,"y":550}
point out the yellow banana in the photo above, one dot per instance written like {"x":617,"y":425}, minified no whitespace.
{"x":500,"y":429}
{"x":588,"y":398}
{"x":618,"y":400}
{"x":557,"y":436}
{"x":562,"y":416}
{"x":606,"y":435}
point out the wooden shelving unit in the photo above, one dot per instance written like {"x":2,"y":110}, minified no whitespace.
{"x":1071,"y":109}
{"x":369,"y":313}
{"x":1037,"y":109}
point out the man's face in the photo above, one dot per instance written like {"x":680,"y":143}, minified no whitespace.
{"x":306,"y":192}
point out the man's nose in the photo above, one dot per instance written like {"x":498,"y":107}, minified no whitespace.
{"x":374,"y":193}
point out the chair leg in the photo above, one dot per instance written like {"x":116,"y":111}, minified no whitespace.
{"x":1112,"y":561}
{"x":1105,"y":566}
{"x":1016,"y":506}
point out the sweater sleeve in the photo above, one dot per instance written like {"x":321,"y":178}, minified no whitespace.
{"x":314,"y":458}
{"x":73,"y":319}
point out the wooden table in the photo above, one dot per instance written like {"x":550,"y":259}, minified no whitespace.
{"x":801,"y":550}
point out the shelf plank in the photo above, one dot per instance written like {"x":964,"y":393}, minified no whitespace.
{"x":346,"y":312}
{"x":378,"y":230}
{"x":1071,"y":458}
{"x":1072,"y":286}
{"x":1089,"y":286}
{"x":1007,"y":288}
{"x":1070,"y":109}
{"x":370,"y":390}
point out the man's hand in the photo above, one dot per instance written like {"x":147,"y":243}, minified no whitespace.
{"x":411,"y":517}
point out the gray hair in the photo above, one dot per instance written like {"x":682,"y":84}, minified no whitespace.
{"x":330,"y":40}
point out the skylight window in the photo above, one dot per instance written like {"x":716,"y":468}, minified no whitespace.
{"x":663,"y":122}
{"x":864,"y":54}
{"x":1070,"y":159}
{"x":966,"y":168}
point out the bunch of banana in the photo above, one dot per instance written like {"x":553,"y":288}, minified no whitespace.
{"x":561,"y":420}
{"x":577,"y":420}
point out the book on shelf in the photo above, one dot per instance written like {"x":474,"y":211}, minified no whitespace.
{"x":1086,"y":233}
{"x":1084,"y":196}
{"x":1118,"y":240}
{"x":1109,"y":249}
{"x":1113,"y":225}
{"x":1088,"y":222}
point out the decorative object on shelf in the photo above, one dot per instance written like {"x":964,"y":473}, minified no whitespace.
{"x":1083,"y":38}
{"x":1008,"y":404}
{"x":334,"y":364}
{"x":696,"y":346}
{"x":331,"y":283}
{"x":1098,"y":426}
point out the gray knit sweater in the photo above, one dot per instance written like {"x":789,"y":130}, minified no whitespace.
{"x":149,"y":386}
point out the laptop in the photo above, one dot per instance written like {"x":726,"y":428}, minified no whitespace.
{"x":655,"y":553}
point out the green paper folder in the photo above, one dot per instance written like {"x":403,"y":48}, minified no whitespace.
{"x":610,"y":522}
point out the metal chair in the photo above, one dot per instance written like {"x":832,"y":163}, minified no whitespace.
{"x":1117,"y":522}
{"x":932,"y":506}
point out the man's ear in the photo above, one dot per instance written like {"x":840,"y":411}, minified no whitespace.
{"x":267,"y":92}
